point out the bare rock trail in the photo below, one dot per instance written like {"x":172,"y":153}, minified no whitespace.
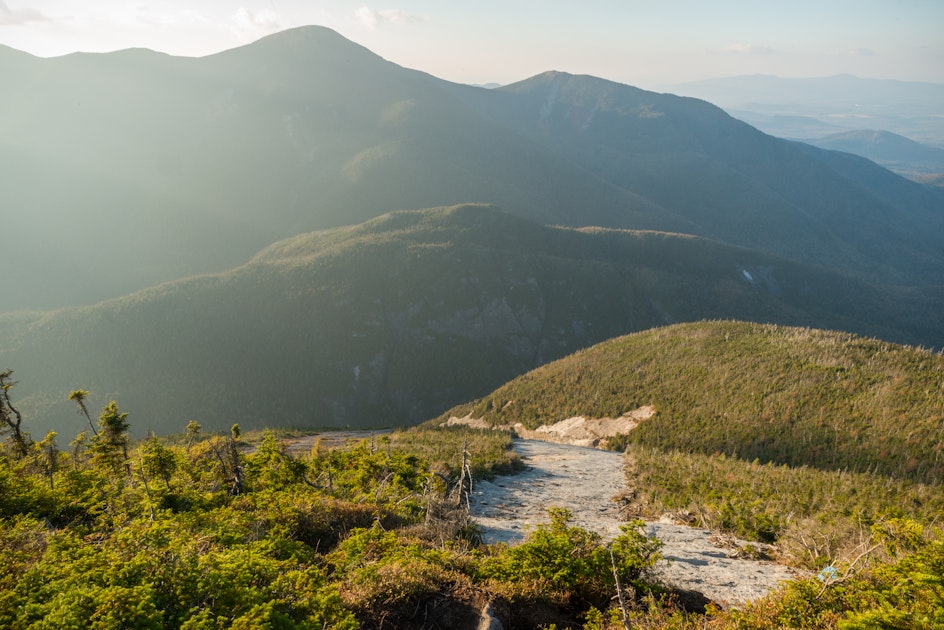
{"x":585,"y":481}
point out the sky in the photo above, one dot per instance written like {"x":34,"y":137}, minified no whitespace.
{"x":647,"y":43}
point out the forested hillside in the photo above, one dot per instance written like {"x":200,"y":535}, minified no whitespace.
{"x":728,"y":181}
{"x":393,"y":321}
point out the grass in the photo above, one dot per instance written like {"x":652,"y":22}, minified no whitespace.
{"x":814,"y":517}
{"x":795,"y":396}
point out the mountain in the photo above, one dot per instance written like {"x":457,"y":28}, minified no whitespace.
{"x":392,"y":321}
{"x":127,"y":168}
{"x":124,"y":169}
{"x":896,"y":153}
{"x":728,"y":181}
{"x":796,"y":396}
{"x":786,"y":107}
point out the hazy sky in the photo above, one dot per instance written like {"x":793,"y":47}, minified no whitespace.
{"x":641,"y":42}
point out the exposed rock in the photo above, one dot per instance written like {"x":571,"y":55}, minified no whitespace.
{"x":576,"y":431}
{"x":468,"y":421}
{"x":489,"y":621}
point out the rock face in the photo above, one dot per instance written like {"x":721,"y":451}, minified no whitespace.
{"x":585,"y":481}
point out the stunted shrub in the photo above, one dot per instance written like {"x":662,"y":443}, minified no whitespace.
{"x":563,"y":558}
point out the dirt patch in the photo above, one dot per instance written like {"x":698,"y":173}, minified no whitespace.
{"x":585,"y":481}
{"x":579,"y":430}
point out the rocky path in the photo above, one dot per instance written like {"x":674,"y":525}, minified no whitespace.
{"x":584,"y":481}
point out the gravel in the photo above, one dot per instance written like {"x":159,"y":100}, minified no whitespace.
{"x":585,"y":481}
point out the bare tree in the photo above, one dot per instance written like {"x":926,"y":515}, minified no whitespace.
{"x":10,"y":418}
{"x":49,"y":457}
{"x":79,"y":396}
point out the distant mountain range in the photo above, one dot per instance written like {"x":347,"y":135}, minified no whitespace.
{"x":128,"y":168}
{"x":814,"y":107}
{"x":395,"y":320}
{"x":894,"y":152}
{"x":151,"y":180}
{"x":897,"y":124}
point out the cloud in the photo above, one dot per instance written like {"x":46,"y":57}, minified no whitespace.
{"x":16,"y":17}
{"x":750,"y":49}
{"x":264,"y":20}
{"x":372,"y":19}
{"x":191,"y":16}
{"x":184,"y":18}
{"x":861,"y":52}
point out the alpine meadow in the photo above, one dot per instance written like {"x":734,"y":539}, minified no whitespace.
{"x":271,"y":316}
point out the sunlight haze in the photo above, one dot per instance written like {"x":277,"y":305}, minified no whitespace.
{"x":642,"y":43}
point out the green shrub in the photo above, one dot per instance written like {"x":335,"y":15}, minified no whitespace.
{"x":563,"y":558}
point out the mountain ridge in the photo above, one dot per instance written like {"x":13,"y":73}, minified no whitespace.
{"x":782,"y":215}
{"x":332,"y":152}
{"x":284,"y":136}
{"x":895,"y":152}
{"x":393,"y":321}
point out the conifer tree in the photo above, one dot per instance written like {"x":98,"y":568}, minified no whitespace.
{"x":157,"y":460}
{"x":110,"y":446}
{"x":49,"y":457}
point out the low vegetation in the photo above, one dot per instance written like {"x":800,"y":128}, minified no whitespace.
{"x":485,"y":453}
{"x":230,"y":531}
{"x":815,"y":518}
{"x":351,"y":538}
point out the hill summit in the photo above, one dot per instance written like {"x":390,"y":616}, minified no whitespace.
{"x":796,"y":396}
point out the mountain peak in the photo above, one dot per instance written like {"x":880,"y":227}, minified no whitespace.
{"x":308,"y":33}
{"x":556,"y":80}
{"x":306,"y":40}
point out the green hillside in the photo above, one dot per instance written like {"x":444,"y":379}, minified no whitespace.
{"x":778,"y":394}
{"x":395,"y":320}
